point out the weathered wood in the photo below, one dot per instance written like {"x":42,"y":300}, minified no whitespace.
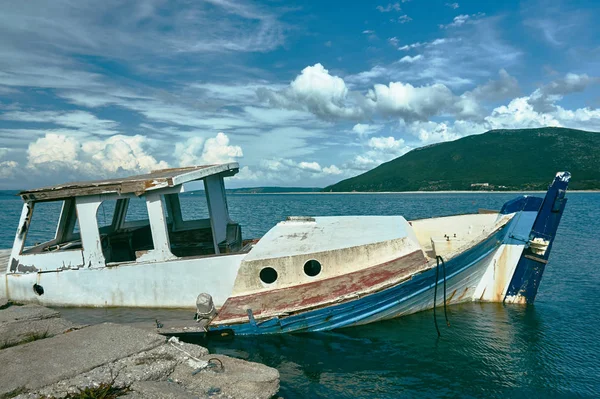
{"x":133,"y":184}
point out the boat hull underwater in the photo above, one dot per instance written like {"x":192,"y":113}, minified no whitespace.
{"x":505,"y":267}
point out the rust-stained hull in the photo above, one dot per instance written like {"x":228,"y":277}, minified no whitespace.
{"x":499,"y":268}
{"x":322,"y":292}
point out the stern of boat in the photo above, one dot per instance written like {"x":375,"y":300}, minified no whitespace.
{"x":525,"y":282}
{"x":514,"y":273}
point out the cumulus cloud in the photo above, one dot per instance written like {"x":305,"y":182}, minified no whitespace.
{"x":409,"y":102}
{"x":386,"y":144}
{"x":409,"y":59}
{"x":378,"y":150}
{"x":312,"y":166}
{"x":8,"y":169}
{"x":121,"y":153}
{"x":332,"y":170}
{"x":328,"y":97}
{"x":315,"y":90}
{"x":453,"y":5}
{"x":543,"y":98}
{"x":94,"y":158}
{"x":197,"y":151}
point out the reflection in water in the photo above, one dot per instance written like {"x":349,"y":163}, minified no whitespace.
{"x":491,"y":350}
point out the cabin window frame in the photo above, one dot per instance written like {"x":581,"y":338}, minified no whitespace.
{"x":64,"y":230}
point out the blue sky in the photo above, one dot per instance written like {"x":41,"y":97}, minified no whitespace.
{"x":301,"y":93}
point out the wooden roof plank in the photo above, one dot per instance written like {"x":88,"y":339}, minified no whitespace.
{"x":138,"y":184}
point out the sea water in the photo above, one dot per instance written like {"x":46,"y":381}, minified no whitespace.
{"x":548,"y":350}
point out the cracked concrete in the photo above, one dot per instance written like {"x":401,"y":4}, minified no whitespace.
{"x":77,"y":357}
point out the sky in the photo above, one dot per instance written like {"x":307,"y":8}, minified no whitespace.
{"x":300,"y":93}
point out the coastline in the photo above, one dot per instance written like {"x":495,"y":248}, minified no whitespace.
{"x":414,"y":192}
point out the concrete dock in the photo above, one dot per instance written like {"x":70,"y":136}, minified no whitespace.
{"x":44,"y":355}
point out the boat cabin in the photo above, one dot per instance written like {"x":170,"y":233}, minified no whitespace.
{"x":134,"y":219}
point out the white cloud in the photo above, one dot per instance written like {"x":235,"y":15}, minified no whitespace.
{"x":3,"y":152}
{"x":543,"y":99}
{"x":389,"y":7}
{"x":393,"y":41}
{"x":332,"y":170}
{"x":403,"y":19}
{"x":386,"y":144}
{"x":377,"y":151}
{"x":317,"y":91}
{"x":53,"y":149}
{"x":453,"y":5}
{"x":411,"y":46}
{"x":189,"y":151}
{"x":328,"y":97}
{"x":94,"y":158}
{"x":519,"y":113}
{"x":312,"y":166}
{"x":365,"y":129}
{"x":8,"y":169}
{"x":409,"y":59}
{"x":432,"y":132}
{"x":215,"y":150}
{"x":218,"y":150}
{"x":409,"y":102}
{"x":462,"y":19}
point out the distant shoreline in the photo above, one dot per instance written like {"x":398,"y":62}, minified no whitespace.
{"x":415,"y":192}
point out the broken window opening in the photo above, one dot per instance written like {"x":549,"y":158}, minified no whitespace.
{"x":52,"y":228}
{"x":191,"y":230}
{"x":124,"y":229}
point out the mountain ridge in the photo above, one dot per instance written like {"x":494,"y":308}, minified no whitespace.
{"x":497,"y":160}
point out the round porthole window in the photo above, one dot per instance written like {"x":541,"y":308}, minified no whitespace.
{"x":268,"y":275}
{"x":312,"y":268}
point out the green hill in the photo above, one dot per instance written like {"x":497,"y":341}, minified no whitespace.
{"x":523,"y":159}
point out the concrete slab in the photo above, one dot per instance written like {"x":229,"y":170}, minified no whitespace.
{"x":45,"y":362}
{"x":237,"y":379}
{"x":26,"y":312}
{"x":158,"y":390}
{"x":14,"y":333}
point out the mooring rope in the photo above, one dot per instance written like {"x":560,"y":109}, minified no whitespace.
{"x":437,"y":278}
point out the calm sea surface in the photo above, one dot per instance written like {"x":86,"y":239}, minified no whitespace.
{"x":550,"y":349}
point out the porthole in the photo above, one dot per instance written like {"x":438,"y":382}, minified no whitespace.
{"x":268,"y":275}
{"x":312,"y":268}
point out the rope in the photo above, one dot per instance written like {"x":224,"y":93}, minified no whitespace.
{"x":174,"y":340}
{"x":437,"y":278}
{"x":437,"y":273}
{"x":444,"y":270}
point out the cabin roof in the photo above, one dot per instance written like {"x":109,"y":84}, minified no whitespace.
{"x":138,"y":184}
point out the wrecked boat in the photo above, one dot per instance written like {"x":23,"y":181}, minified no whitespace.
{"x":304,"y":274}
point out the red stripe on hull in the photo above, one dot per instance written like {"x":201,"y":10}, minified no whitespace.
{"x":320,"y":293}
